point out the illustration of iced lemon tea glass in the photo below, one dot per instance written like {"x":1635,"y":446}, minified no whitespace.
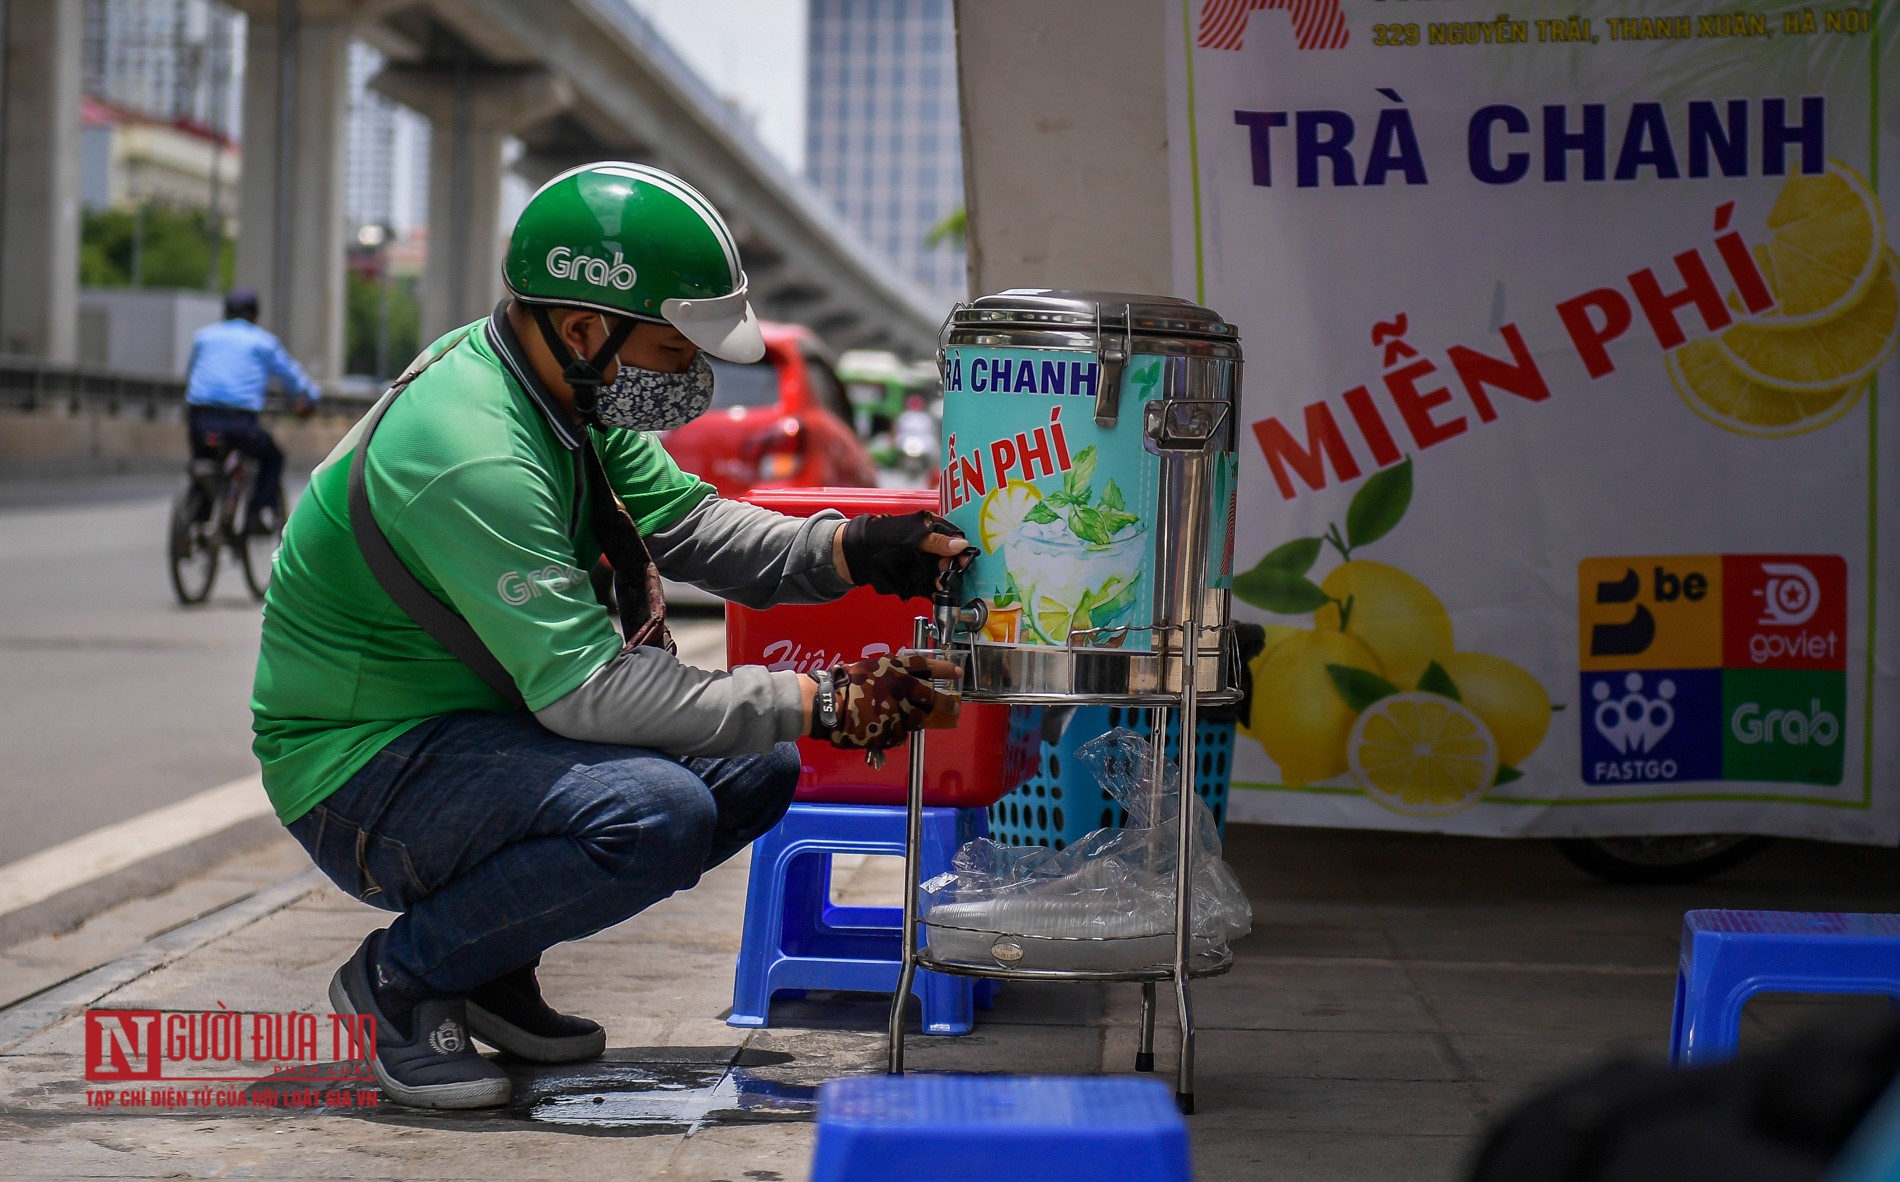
{"x":1069,"y":584}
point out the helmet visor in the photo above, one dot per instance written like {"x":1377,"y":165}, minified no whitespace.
{"x":723,"y":325}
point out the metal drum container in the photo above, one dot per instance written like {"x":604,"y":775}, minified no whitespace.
{"x":1089,"y":453}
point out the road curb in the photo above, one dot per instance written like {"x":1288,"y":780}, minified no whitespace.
{"x":59,"y":888}
{"x":45,"y":1009}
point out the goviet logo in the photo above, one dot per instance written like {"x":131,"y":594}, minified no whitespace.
{"x":1790,"y":595}
{"x":565,"y":262}
{"x":1317,"y":24}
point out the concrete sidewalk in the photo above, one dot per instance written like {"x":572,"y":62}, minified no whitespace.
{"x":1398,"y":993}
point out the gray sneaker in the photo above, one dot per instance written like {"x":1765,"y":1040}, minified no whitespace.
{"x":509,"y":1014}
{"x":437,"y":1065}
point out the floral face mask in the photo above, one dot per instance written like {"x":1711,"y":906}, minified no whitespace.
{"x":647,"y":400}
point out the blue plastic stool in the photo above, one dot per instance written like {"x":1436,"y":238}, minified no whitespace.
{"x":982,"y":1128}
{"x":796,"y":938}
{"x":1729,"y":956}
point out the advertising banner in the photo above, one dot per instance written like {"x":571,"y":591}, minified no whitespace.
{"x":1566,"y":496}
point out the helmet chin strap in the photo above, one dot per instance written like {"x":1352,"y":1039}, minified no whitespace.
{"x":583,"y":374}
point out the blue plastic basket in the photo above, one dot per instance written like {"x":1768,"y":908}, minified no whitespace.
{"x":1063,"y":802}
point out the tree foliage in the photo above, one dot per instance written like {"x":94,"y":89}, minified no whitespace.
{"x":401,"y":340}
{"x":168,"y":247}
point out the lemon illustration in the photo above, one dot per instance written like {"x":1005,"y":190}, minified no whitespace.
{"x":1298,"y":714}
{"x":1003,"y":510}
{"x":1112,"y":599}
{"x":1275,"y":634}
{"x":1396,"y":616}
{"x":1825,"y":356}
{"x":1505,"y":698}
{"x":1053,"y":619}
{"x":1724,"y":395}
{"x":1422,"y":755}
{"x":1824,"y":248}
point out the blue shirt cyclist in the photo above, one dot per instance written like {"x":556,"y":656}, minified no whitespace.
{"x":232,"y":363}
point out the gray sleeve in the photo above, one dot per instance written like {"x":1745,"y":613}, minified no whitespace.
{"x":646,"y":698}
{"x":752,"y":556}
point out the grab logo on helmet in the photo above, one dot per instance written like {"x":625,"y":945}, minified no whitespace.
{"x":565,"y":262}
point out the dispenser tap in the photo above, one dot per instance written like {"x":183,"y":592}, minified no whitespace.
{"x":951,"y":620}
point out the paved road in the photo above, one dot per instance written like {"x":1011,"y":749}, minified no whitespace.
{"x":113,"y":698}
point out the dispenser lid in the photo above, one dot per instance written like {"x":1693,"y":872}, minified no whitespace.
{"x":1087,"y":311}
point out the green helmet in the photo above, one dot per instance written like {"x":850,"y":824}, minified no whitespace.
{"x":631,"y":240}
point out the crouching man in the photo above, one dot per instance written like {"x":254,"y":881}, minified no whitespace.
{"x":448,"y":718}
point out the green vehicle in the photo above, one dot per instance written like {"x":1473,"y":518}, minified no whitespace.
{"x":896,"y":408}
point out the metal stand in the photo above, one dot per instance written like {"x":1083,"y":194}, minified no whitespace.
{"x":1189,"y":472}
{"x":922,"y":636}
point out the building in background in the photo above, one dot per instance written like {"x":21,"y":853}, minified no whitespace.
{"x":174,"y":60}
{"x":388,"y":181}
{"x":881,"y":129}
{"x":159,"y":121}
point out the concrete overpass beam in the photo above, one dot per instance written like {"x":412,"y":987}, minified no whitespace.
{"x":39,"y":180}
{"x":292,"y":231}
{"x":471,"y":110}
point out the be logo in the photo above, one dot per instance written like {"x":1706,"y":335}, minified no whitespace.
{"x":1650,"y":613}
{"x":122,"y":1044}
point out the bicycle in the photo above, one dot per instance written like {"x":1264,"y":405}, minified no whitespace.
{"x":208,"y":516}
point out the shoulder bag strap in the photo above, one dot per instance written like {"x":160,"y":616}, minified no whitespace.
{"x":436,"y":618}
{"x":640,"y":595}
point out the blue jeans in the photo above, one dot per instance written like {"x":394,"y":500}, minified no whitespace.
{"x":239,"y":430}
{"x":497,"y":839}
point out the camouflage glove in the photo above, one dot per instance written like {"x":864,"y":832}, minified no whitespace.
{"x":882,"y":549}
{"x":880,"y":702}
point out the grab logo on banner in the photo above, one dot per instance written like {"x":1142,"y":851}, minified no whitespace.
{"x":1317,"y":24}
{"x":1728,"y":667}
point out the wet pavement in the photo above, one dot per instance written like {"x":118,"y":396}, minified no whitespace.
{"x":1398,"y":993}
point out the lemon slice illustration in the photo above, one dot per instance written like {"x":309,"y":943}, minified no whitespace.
{"x":1729,"y":398}
{"x":1052,"y":621}
{"x":1113,"y":598}
{"x":1825,"y":356}
{"x":1422,"y":755}
{"x":1003,"y":511}
{"x":1824,"y":248}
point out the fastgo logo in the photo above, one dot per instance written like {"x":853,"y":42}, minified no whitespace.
{"x":1317,"y":24}
{"x":566,"y":263}
{"x":518,"y":587}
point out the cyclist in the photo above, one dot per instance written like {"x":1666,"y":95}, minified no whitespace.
{"x":497,"y":470}
{"x":232,"y":362}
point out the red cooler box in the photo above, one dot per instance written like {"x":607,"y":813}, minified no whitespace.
{"x":993,"y":750}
